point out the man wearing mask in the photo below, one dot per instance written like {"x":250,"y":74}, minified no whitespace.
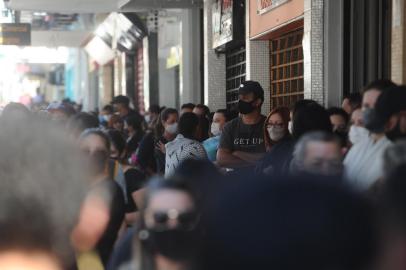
{"x":220,"y":118}
{"x":242,"y":140}
{"x":363,"y":164}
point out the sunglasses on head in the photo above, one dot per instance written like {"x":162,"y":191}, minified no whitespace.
{"x":187,"y":219}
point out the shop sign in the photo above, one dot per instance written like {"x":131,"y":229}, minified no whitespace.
{"x":267,"y":5}
{"x":222,"y":12}
{"x":18,"y":34}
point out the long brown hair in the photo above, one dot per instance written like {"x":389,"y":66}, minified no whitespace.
{"x":284,"y":112}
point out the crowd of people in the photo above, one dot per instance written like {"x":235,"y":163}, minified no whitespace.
{"x":303,"y":187}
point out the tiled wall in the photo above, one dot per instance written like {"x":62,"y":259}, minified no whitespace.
{"x":313,"y":50}
{"x":214,"y":66}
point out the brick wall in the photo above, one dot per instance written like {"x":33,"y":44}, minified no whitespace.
{"x":214,"y":66}
{"x":313,"y":49}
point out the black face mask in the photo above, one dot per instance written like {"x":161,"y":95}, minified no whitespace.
{"x":245,"y":107}
{"x":373,"y":122}
{"x":176,"y":244}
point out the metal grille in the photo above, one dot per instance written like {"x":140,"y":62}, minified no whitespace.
{"x":287,"y":84}
{"x":235,"y":74}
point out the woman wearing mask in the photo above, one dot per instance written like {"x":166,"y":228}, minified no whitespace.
{"x":211,"y":145}
{"x":168,"y":232}
{"x":150,"y":155}
{"x":277,"y":140}
{"x":357,"y":130}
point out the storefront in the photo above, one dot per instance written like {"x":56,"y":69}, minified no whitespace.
{"x":229,"y":39}
{"x":280,"y":22}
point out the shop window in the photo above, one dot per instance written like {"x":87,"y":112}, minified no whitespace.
{"x":286,"y":56}
{"x":235,"y":74}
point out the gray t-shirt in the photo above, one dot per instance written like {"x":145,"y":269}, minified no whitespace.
{"x":238,"y":136}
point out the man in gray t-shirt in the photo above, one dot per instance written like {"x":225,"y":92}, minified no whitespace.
{"x":242,"y":141}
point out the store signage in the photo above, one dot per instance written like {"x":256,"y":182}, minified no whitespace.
{"x":267,"y":5}
{"x":15,"y":34}
{"x":222,"y":12}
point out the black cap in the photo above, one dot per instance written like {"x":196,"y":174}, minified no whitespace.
{"x":391,"y":102}
{"x":254,"y":87}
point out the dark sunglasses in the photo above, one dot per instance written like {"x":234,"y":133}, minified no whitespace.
{"x":186,"y":220}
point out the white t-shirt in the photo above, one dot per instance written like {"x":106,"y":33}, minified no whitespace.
{"x":180,"y":150}
{"x":363,"y":165}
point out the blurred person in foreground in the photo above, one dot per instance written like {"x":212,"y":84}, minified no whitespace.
{"x":318,"y":153}
{"x":168,"y":232}
{"x":150,"y":155}
{"x":211,"y":145}
{"x":242,"y":140}
{"x":201,"y":176}
{"x":95,"y":145}
{"x":184,"y":146}
{"x":289,"y":224}
{"x":392,"y":218}
{"x":44,"y":180}
{"x":363,"y":163}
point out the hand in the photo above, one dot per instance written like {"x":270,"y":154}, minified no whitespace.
{"x":160,"y":147}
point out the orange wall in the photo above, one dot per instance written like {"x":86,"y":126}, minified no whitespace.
{"x":261,"y":23}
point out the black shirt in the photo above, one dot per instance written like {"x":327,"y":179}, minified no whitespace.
{"x":134,"y":180}
{"x":148,"y":156}
{"x":117,"y":213}
{"x":238,"y":136}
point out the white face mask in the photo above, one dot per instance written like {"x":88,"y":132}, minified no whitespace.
{"x":290,"y":127}
{"x":215,"y":129}
{"x":357,"y":134}
{"x":276,"y":133}
{"x":172,"y":129}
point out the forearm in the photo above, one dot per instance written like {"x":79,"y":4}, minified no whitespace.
{"x":228,"y":160}
{"x":248,"y":157}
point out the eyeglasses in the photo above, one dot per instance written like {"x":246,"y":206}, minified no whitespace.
{"x":279,"y":125}
{"x":187,"y":220}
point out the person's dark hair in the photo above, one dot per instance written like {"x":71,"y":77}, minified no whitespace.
{"x":82,"y":121}
{"x":203,"y":129}
{"x":188,"y":106}
{"x":122,"y":100}
{"x":312,"y":117}
{"x":338,"y":111}
{"x":154,"y":109}
{"x":355,"y":100}
{"x":109,"y":109}
{"x":117,"y":139}
{"x":226,"y":113}
{"x":163,"y":117}
{"x":96,"y":132}
{"x":135,"y":122}
{"x":379,"y":85}
{"x":300,"y":104}
{"x":205,"y":109}
{"x":188,"y":124}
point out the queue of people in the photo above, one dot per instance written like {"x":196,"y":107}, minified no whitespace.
{"x":304,"y":186}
